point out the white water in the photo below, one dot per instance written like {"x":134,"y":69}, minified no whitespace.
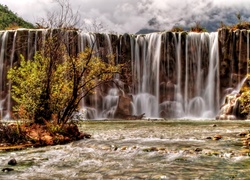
{"x":185,"y":65}
{"x":3,"y":97}
{"x":173,"y":149}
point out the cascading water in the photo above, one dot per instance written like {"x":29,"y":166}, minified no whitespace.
{"x":8,"y":116}
{"x":202,"y":75}
{"x":3,"y":97}
{"x":146,"y":100}
{"x":172,"y":74}
{"x":195,"y":96}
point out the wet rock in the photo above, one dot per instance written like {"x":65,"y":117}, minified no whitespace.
{"x":227,"y":111}
{"x":198,"y":150}
{"x":151,"y":149}
{"x":124,"y":148}
{"x":161,"y":148}
{"x":84,"y":136}
{"x":217,"y":137}
{"x":12,"y":162}
{"x":209,"y":137}
{"x":124,"y":107}
{"x":244,"y":133}
{"x":114,"y":147}
{"x":7,"y":169}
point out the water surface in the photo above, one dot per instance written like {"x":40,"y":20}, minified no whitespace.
{"x":142,"y":149}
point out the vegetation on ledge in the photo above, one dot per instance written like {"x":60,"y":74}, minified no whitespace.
{"x":26,"y":134}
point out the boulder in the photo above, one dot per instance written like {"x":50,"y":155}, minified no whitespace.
{"x":124,"y":109}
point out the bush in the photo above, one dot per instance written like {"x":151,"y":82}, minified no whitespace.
{"x":41,"y":91}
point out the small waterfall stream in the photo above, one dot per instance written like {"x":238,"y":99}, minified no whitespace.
{"x":173,"y":75}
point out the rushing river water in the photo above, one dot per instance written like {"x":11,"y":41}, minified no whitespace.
{"x":146,"y":149}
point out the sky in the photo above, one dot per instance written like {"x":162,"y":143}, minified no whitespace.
{"x":129,"y":16}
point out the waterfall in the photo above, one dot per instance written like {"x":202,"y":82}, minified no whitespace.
{"x":146,"y":99}
{"x":4,"y":37}
{"x":8,"y":116}
{"x":173,"y":75}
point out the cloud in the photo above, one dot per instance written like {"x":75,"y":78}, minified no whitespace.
{"x":130,"y":16}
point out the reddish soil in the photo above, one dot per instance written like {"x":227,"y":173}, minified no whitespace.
{"x":37,"y":135}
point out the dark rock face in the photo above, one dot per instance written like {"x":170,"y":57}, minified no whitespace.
{"x":233,"y":57}
{"x":179,"y":73}
{"x":124,"y":107}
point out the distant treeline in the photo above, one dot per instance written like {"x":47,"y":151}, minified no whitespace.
{"x":10,"y":20}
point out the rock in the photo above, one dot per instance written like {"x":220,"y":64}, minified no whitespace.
{"x":151,"y":149}
{"x":12,"y":162}
{"x":124,"y":107}
{"x":123,"y":148}
{"x":7,"y":169}
{"x":84,"y":136}
{"x":198,"y":150}
{"x":244,"y":133}
{"x":227,"y":109}
{"x":217,"y":137}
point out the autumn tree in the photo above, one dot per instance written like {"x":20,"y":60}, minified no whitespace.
{"x":55,"y":82}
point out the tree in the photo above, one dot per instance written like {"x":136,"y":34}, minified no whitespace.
{"x":58,"y":78}
{"x":42,"y":89}
{"x":63,"y":18}
{"x":10,"y":20}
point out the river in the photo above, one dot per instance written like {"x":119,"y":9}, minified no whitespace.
{"x":141,"y":149}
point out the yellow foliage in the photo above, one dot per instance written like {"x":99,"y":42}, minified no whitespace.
{"x":70,"y":81}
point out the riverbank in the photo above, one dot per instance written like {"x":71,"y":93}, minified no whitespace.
{"x":19,"y":135}
{"x":145,"y":149}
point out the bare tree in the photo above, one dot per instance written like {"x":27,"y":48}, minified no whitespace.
{"x":64,"y":17}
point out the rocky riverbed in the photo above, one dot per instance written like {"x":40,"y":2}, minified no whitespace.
{"x":142,"y":149}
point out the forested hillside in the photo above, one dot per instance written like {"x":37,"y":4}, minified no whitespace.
{"x":10,"y":20}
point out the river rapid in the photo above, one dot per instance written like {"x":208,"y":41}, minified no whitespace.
{"x":141,"y":149}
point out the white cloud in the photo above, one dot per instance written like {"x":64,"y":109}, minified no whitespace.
{"x":130,"y":15}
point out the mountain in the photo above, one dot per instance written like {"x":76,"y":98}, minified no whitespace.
{"x":146,"y":31}
{"x":10,"y":20}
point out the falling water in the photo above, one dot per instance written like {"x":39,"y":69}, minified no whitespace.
{"x":4,"y":37}
{"x":147,"y":99}
{"x":171,"y":73}
{"x":212,"y":88}
{"x":8,"y":116}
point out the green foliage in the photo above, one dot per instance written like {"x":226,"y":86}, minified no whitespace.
{"x":12,"y":133}
{"x":239,"y":25}
{"x":27,"y":85}
{"x":10,"y":20}
{"x":177,"y":29}
{"x":245,"y":102}
{"x":197,"y":28}
{"x":245,"y":97}
{"x":69,"y":81}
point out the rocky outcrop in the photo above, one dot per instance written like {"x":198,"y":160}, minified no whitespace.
{"x":228,"y":109}
{"x":232,"y":57}
{"x":232,"y":107}
{"x":124,"y":107}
